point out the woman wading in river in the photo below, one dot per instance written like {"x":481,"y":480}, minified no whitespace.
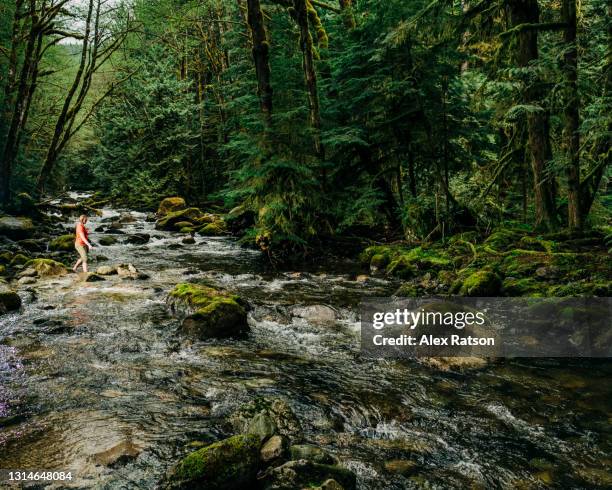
{"x":81,"y":241}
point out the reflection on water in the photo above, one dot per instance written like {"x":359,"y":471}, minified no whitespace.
{"x":95,"y":380}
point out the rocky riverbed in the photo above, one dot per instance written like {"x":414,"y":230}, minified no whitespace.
{"x":101,"y":377}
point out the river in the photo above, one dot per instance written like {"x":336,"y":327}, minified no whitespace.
{"x":88,"y":367}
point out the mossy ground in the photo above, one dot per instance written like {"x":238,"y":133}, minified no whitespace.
{"x":507,"y":262}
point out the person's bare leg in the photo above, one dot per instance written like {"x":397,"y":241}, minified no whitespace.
{"x":85,"y":267}
{"x":76,"y":266}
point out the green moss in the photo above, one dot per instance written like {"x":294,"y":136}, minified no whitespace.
{"x":366,"y":256}
{"x":502,"y":239}
{"x":379,"y":261}
{"x":107,"y":240}
{"x":63,"y":243}
{"x":6,"y":257}
{"x":230,"y":463}
{"x":402,"y":267}
{"x":522,"y":287}
{"x":186,"y":215}
{"x":407,"y":290}
{"x":2,"y":270}
{"x":19,"y":259}
{"x":187,"y":229}
{"x":182,"y":224}
{"x":523,"y":262}
{"x":170,"y":205}
{"x":581,"y":288}
{"x":482,"y":283}
{"x":537,"y":244}
{"x":213,"y":229}
{"x":46,"y":267}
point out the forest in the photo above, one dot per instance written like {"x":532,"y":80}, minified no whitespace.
{"x":236,"y":179}
{"x":389,"y":119}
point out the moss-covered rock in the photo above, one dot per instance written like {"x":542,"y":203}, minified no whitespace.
{"x":170,"y":205}
{"x":581,"y":288}
{"x":213,"y":229}
{"x":306,"y":474}
{"x":9,"y":299}
{"x":107,"y":240}
{"x":64,"y":243}
{"x":502,"y":239}
{"x":16,"y":227}
{"x":526,"y":286}
{"x":182,"y":224}
{"x":379,"y":261}
{"x":6,"y":257}
{"x":225,"y":465}
{"x":407,"y":290}
{"x":46,"y":267}
{"x":189,"y":215}
{"x":2,"y":270}
{"x":482,"y":283}
{"x":19,"y":259}
{"x":537,"y":244}
{"x":212,"y":313}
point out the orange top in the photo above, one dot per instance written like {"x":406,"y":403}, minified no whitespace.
{"x":81,"y":235}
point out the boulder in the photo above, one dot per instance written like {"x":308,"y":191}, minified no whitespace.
{"x":24,"y":281}
{"x":188,"y":216}
{"x":311,"y":453}
{"x":16,"y":227}
{"x":230,"y":464}
{"x":63,"y":243}
{"x":211,"y":313}
{"x":482,"y":283}
{"x":319,"y":314}
{"x":150,"y":218}
{"x":6,"y":257}
{"x":126,"y":270}
{"x":32,"y":245}
{"x":107,"y":240}
{"x":170,"y":205}
{"x":138,"y":238}
{"x":306,"y":474}
{"x":181,"y":225}
{"x":126,"y":218}
{"x":275,"y":449}
{"x":9,"y":299}
{"x":262,"y":425}
{"x":217,"y":228}
{"x":46,"y":267}
{"x":188,"y":240}
{"x":93,"y":277}
{"x":106,"y":270}
{"x":2,"y":270}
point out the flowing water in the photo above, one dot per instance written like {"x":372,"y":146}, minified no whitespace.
{"x":87,"y":369}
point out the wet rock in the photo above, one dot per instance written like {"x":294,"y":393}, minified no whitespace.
{"x":116,"y":225}
{"x":362,"y":278}
{"x":106,"y":270}
{"x":276,"y":448}
{"x":455,"y":363}
{"x":99,"y":229}
{"x":29,"y":272}
{"x":262,"y":425}
{"x":127,"y":270}
{"x":320,"y":314}
{"x":114,"y":231}
{"x":277,"y":409}
{"x":311,"y":453}
{"x":400,"y":466}
{"x":217,"y":228}
{"x":211,"y":313}
{"x":150,"y":218}
{"x":2,"y":270}
{"x":301,"y":473}
{"x":26,"y":280}
{"x":141,"y":276}
{"x":126,"y":218}
{"x":63,"y":243}
{"x":117,"y":455}
{"x":174,"y":246}
{"x":107,"y":241}
{"x":189,"y":240}
{"x":230,"y":464}
{"x":9,"y":299}
{"x":170,"y":205}
{"x":138,"y":238}
{"x":46,"y":267}
{"x":31,"y":245}
{"x":16,"y":227}
{"x":92,"y":277}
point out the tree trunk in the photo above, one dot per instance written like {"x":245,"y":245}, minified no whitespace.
{"x":21,"y":104}
{"x":310,"y":75}
{"x":347,"y":13}
{"x":527,"y":12}
{"x":571,"y":137}
{"x":261,"y":57}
